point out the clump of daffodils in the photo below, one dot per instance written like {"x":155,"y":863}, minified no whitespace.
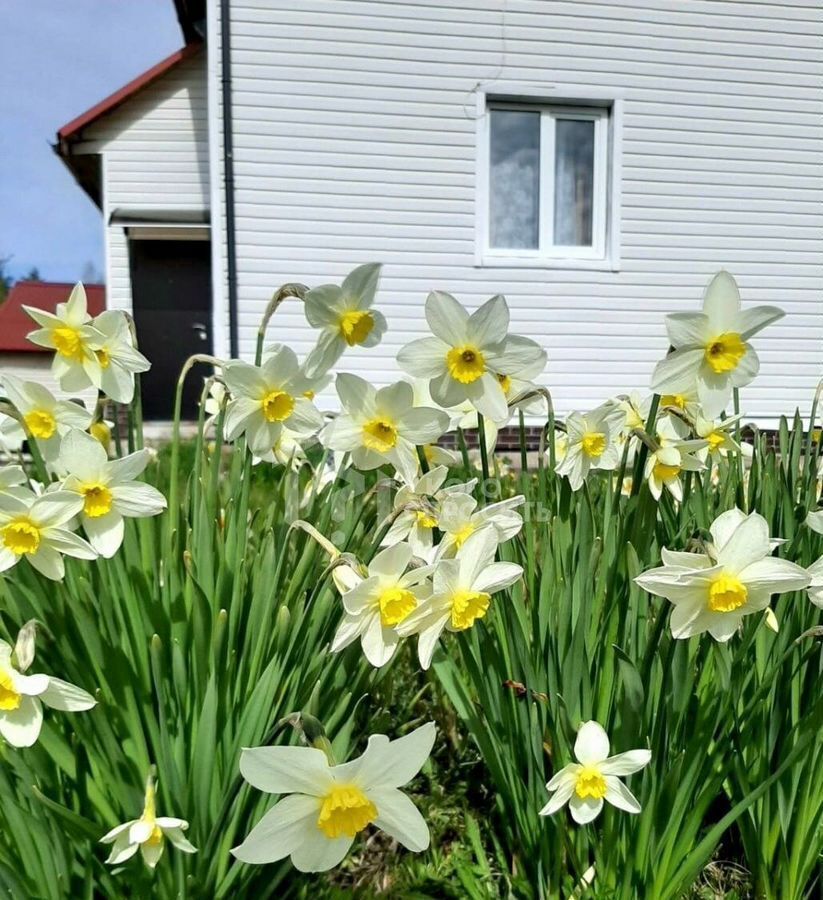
{"x":595,"y":777}
{"x":326,"y":806}
{"x":148,"y":834}
{"x":712,"y":354}
{"x":735,"y":576}
{"x":22,"y":696}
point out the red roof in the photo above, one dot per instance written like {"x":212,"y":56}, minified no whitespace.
{"x":15,"y":323}
{"x":71,"y":129}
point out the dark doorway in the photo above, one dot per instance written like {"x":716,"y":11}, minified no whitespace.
{"x":171,"y":300}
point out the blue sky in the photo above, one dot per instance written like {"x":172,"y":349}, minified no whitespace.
{"x":59,"y":59}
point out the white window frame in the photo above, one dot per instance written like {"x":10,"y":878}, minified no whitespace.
{"x":555,"y":103}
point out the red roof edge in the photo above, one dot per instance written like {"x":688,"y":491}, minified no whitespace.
{"x":71,"y":129}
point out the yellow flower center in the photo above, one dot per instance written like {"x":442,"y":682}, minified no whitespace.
{"x":724,"y":352}
{"x":21,"y":536}
{"x":9,"y":697}
{"x":277,"y":406}
{"x":662,"y":472}
{"x":505,"y":383}
{"x":103,"y":358}
{"x":356,"y":326}
{"x":96,"y":500}
{"x":379,"y":434}
{"x":40,"y":423}
{"x":101,"y":432}
{"x":468,"y":607}
{"x":309,"y":395}
{"x":463,"y":534}
{"x":593,"y":444}
{"x":68,"y":343}
{"x":715,"y":440}
{"x":676,"y":400}
{"x":426,"y":520}
{"x":395,"y":605}
{"x":590,"y":783}
{"x":465,"y":364}
{"x":155,"y":838}
{"x":345,"y":810}
{"x":727,"y":593}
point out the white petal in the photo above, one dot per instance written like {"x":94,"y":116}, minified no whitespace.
{"x":400,"y":818}
{"x":67,"y":697}
{"x":424,"y":358}
{"x":48,"y":562}
{"x":687,"y":329}
{"x":774,"y":575}
{"x":725,"y":525}
{"x":756,"y":318}
{"x":488,"y":324}
{"x":151,"y":853}
{"x":496,"y":576}
{"x":721,"y":302}
{"x":447,"y":319}
{"x":317,"y":853}
{"x":378,"y":642}
{"x":620,"y":796}
{"x":105,"y":533}
{"x":390,"y":764}
{"x":748,"y":543}
{"x":281,"y":831}
{"x":21,"y":726}
{"x":391,"y":562}
{"x":177,"y":838}
{"x":286,"y":770}
{"x":137,"y":499}
{"x":122,"y":850}
{"x":677,"y":372}
{"x":584,"y":810}
{"x":714,"y":390}
{"x":592,"y":743}
{"x":560,"y":797}
{"x":626,"y":763}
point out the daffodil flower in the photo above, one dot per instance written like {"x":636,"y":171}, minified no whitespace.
{"x":37,"y":529}
{"x":461,"y":593}
{"x":380,"y":426}
{"x":735,"y":577}
{"x":420,"y":502}
{"x":45,"y":417}
{"x":327,"y":806}
{"x":108,"y":489}
{"x":344,"y":316}
{"x":382,"y":601}
{"x":268,"y":398}
{"x":712,"y":352}
{"x":719,"y":441}
{"x":674,"y":456}
{"x":13,"y":482}
{"x":69,"y":331}
{"x":591,"y":443}
{"x":22,"y":696}
{"x":148,"y":834}
{"x":595,"y":777}
{"x":469,"y":354}
{"x":460,"y":518}
{"x":118,"y":358}
{"x":12,"y":435}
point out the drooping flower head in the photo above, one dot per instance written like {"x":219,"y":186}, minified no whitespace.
{"x":734,"y":577}
{"x":470,"y":356}
{"x":595,"y":777}
{"x":327,"y":805}
{"x":119,"y":359}
{"x":345,"y":317}
{"x":712,"y":354}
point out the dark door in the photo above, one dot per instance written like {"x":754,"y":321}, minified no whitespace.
{"x":171,"y":300}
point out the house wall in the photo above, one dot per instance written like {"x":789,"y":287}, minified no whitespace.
{"x":355,"y":140}
{"x":155,"y":157}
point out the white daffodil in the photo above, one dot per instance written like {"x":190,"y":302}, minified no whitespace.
{"x":419,"y":503}
{"x":22,"y":696}
{"x":712,"y":354}
{"x":380,"y":426}
{"x":12,"y":435}
{"x":461,"y":593}
{"x":100,"y":430}
{"x":717,"y":435}
{"x":108,"y":489}
{"x":469,"y":354}
{"x":814,"y":519}
{"x":37,"y":529}
{"x":287,"y":450}
{"x":380,"y":602}
{"x":118,"y":358}
{"x":148,"y":834}
{"x":673,"y":456}
{"x":815,"y":571}
{"x":591,"y":443}
{"x":328,"y":805}
{"x":635,"y":409}
{"x":267,"y":399}
{"x":344,"y":316}
{"x":686,"y":403}
{"x":45,"y":417}
{"x":70,"y":333}
{"x":736,"y":576}
{"x":460,"y":518}
{"x":595,"y":777}
{"x":13,"y":482}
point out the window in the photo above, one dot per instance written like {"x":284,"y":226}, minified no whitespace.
{"x":545,"y":184}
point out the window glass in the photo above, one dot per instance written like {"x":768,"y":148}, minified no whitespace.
{"x":514,"y":179}
{"x":573,"y":182}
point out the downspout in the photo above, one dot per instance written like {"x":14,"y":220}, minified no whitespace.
{"x":228,"y":163}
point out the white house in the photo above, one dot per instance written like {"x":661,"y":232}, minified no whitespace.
{"x":594,"y":160}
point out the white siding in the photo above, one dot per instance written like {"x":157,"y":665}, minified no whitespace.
{"x":355,"y":141}
{"x":155,"y":157}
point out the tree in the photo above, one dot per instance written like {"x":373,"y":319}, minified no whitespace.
{"x":5,"y":278}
